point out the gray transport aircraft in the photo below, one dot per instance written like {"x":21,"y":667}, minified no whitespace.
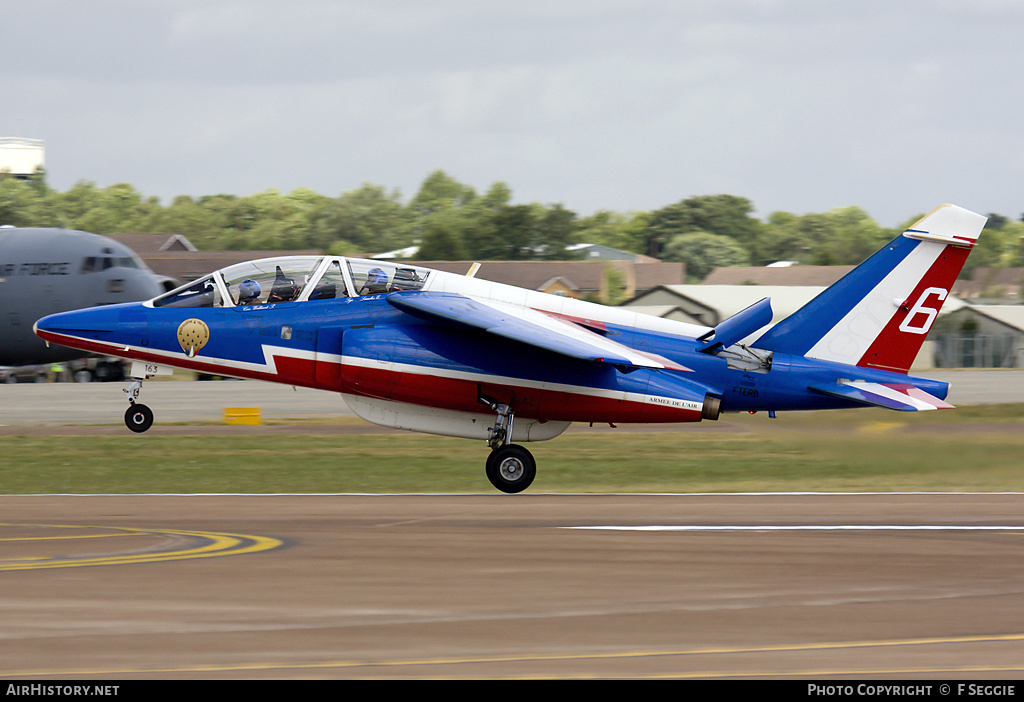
{"x":44,"y":270}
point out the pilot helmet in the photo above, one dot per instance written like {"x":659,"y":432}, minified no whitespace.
{"x":248,"y":291}
{"x":376,"y":279}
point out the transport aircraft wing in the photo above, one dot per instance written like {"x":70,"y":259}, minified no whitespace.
{"x":529,"y":326}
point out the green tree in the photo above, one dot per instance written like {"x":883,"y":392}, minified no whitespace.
{"x":844,"y":236}
{"x":445,"y":203}
{"x":514,"y":234}
{"x":479,"y":234}
{"x":997,"y":247}
{"x":781,"y":240}
{"x":554,"y":233}
{"x":440,"y":243}
{"x":619,"y":231}
{"x":441,"y":192}
{"x":703,"y":251}
{"x":723,"y":215}
{"x":25,"y":204}
{"x":201,"y":224}
{"x":367,"y":220}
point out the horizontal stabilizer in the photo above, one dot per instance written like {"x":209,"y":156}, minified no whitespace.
{"x":903,"y":397}
{"x":527,"y":326}
{"x":738,"y":327}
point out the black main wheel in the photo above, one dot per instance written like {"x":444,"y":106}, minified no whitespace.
{"x":138,"y":418}
{"x":511,"y":468}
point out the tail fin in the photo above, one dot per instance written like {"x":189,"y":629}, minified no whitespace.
{"x":879,"y":313}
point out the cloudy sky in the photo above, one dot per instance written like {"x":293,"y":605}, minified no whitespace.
{"x":799,"y":105}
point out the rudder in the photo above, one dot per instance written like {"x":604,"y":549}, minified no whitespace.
{"x":879,"y":314}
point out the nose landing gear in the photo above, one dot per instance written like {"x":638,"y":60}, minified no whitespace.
{"x":138,"y":417}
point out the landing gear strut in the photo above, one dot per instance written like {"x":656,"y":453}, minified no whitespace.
{"x":138,"y":417}
{"x":510,"y":467}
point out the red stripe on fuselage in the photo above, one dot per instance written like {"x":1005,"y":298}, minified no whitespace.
{"x":419,"y":388}
{"x":533,"y":403}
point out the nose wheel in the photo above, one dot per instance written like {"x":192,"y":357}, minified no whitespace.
{"x":138,"y":417}
{"x":511,"y":468}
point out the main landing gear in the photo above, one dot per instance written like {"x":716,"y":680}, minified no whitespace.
{"x":510,"y":467}
{"x":138,"y":417}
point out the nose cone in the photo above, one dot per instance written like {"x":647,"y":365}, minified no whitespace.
{"x":88,"y":320}
{"x":86,"y":329}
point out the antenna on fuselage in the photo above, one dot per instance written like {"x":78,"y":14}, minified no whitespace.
{"x":473,"y":269}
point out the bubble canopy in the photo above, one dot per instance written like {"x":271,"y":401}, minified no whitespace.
{"x":288,"y":279}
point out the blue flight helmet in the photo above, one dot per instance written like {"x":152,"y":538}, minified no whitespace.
{"x":248,"y":291}
{"x":376,"y":281}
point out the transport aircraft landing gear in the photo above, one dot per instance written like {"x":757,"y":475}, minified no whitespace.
{"x":510,"y":467}
{"x":138,"y":417}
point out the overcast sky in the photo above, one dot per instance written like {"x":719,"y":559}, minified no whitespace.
{"x":799,"y":105}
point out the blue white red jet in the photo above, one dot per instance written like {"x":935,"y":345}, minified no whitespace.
{"x":458,"y":356}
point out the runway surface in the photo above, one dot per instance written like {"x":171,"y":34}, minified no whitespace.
{"x":531,"y":585}
{"x":482,"y":586}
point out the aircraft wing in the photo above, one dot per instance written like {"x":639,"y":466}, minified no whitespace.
{"x":896,"y":396}
{"x":526,"y":325}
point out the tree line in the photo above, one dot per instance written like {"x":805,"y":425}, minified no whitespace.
{"x":448,"y":220}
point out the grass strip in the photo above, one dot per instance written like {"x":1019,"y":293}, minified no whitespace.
{"x":972,"y":449}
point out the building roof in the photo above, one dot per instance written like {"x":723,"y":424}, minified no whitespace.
{"x":673,"y":312}
{"x":1001,"y":283}
{"x":776,"y":275}
{"x":144,"y":244}
{"x":174,"y":256}
{"x":600,"y":252}
{"x":586,"y":276}
{"x":526,"y":274}
{"x":184,"y":266}
{"x":1008,"y":315}
{"x":587,"y":252}
{"x":710,"y":304}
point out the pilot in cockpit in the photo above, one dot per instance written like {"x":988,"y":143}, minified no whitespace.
{"x":248,"y":292}
{"x":376,"y":282}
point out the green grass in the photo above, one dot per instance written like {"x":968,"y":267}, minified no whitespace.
{"x":971,"y":449}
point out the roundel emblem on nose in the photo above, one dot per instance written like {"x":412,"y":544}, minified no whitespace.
{"x":193,"y":335}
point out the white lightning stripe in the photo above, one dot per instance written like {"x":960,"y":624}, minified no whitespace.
{"x":270,"y":366}
{"x":850,"y":338}
{"x":169,"y":357}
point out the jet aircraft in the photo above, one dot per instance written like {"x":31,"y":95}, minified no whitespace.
{"x":454,"y":355}
{"x":44,"y":270}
